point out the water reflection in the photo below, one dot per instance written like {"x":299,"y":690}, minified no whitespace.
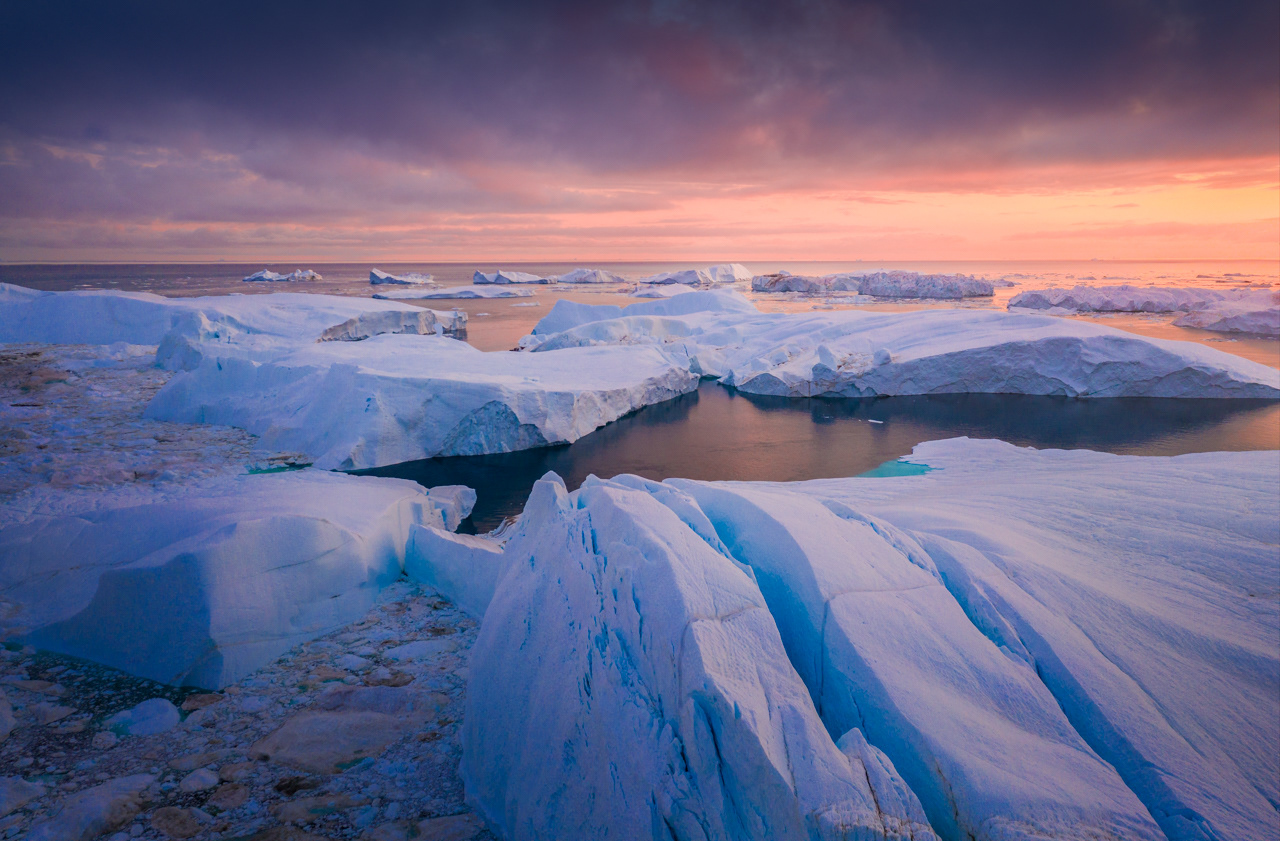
{"x":716,"y":433}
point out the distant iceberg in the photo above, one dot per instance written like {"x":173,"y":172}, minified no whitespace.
{"x":297,"y":274}
{"x":893,"y":284}
{"x":454,"y":292}
{"x":410,"y":279}
{"x":710,"y":276}
{"x":505,"y":276}
{"x":1229,"y":311}
{"x":589,"y":276}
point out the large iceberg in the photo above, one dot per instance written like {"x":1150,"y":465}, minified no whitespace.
{"x":711,"y":275}
{"x":295,"y":275}
{"x":377,"y":277}
{"x":853,"y":354}
{"x":203,"y":585}
{"x":1229,"y":311}
{"x":890,"y":284}
{"x":505,"y":276}
{"x":395,"y":398}
{"x":589,"y":276}
{"x":980,"y":658}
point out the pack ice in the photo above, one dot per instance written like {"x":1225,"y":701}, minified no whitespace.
{"x":1015,"y":645}
{"x":453,"y":292}
{"x":203,"y":585}
{"x":849,"y":354}
{"x":891,"y":284}
{"x":1228,"y":311}
{"x":295,"y":275}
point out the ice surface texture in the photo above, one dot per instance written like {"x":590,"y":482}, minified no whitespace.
{"x":894,"y":284}
{"x":1015,"y":645}
{"x":850,"y":354}
{"x":1227,"y":311}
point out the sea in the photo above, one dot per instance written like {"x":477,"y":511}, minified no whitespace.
{"x":716,"y":433}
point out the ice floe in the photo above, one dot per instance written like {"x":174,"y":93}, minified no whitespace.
{"x":202,"y":585}
{"x":852,"y":354}
{"x":891,"y":284}
{"x":295,"y":275}
{"x":981,"y":660}
{"x":589,"y":276}
{"x":465,"y":292}
{"x":1228,"y":311}
{"x":377,"y":277}
{"x":507,"y":276}
{"x":661,"y":291}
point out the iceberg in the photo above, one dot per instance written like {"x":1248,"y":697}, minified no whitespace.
{"x":858,"y":354}
{"x":394,"y":398}
{"x":711,"y":275}
{"x":657,"y":291}
{"x":454,"y":292}
{"x":1229,"y":311}
{"x":202,"y":585}
{"x":988,"y":668}
{"x":891,"y":284}
{"x":377,"y":277}
{"x":295,"y":275}
{"x":629,"y":682}
{"x":506,"y":276}
{"x":589,"y":276}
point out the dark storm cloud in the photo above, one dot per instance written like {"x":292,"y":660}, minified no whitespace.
{"x":246,"y":111}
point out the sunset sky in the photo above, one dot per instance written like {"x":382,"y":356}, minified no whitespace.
{"x":663,"y":130}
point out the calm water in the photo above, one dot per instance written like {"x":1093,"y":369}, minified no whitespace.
{"x":716,"y":433}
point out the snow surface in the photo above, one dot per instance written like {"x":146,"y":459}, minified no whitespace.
{"x":849,"y":354}
{"x":377,"y":277}
{"x":891,"y":284}
{"x":395,"y":398}
{"x":506,"y":276}
{"x":589,"y":276}
{"x":722,"y":273}
{"x":203,"y":585}
{"x":295,"y":275}
{"x":454,"y":292}
{"x":1228,"y":311}
{"x":1014,"y":645}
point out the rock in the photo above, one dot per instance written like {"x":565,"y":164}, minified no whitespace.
{"x":323,"y":673}
{"x":228,"y":796}
{"x":200,"y":701}
{"x":308,"y":809}
{"x":451,"y":828}
{"x":89,"y":813}
{"x":105,"y":740}
{"x":146,"y":719}
{"x":236,"y":771}
{"x":347,"y":724}
{"x":49,"y":713}
{"x":290,"y":786}
{"x":283,"y":833}
{"x":382,"y":676}
{"x":7,"y":721}
{"x":14,"y":791}
{"x":419,"y":649}
{"x":192,"y":761}
{"x":199,"y":780}
{"x":44,"y":687}
{"x":174,"y":822}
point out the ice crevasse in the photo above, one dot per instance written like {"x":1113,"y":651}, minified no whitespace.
{"x":879,"y":658}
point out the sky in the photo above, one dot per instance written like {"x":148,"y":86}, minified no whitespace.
{"x":791,"y":129}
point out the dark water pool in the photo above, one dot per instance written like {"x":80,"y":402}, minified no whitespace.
{"x":716,"y":433}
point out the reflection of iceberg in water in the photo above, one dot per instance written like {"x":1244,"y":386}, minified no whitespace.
{"x":716,"y":433}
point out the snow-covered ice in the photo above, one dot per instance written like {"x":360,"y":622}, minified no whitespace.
{"x":455,"y":292}
{"x":890,"y":284}
{"x":1014,"y":645}
{"x":202,"y":585}
{"x":850,"y":354}
{"x":711,"y":275}
{"x":507,"y":276}
{"x":395,"y":398}
{"x":295,"y":275}
{"x":1228,"y":311}
{"x":377,"y":277}
{"x":661,"y":291}
{"x":589,"y":276}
